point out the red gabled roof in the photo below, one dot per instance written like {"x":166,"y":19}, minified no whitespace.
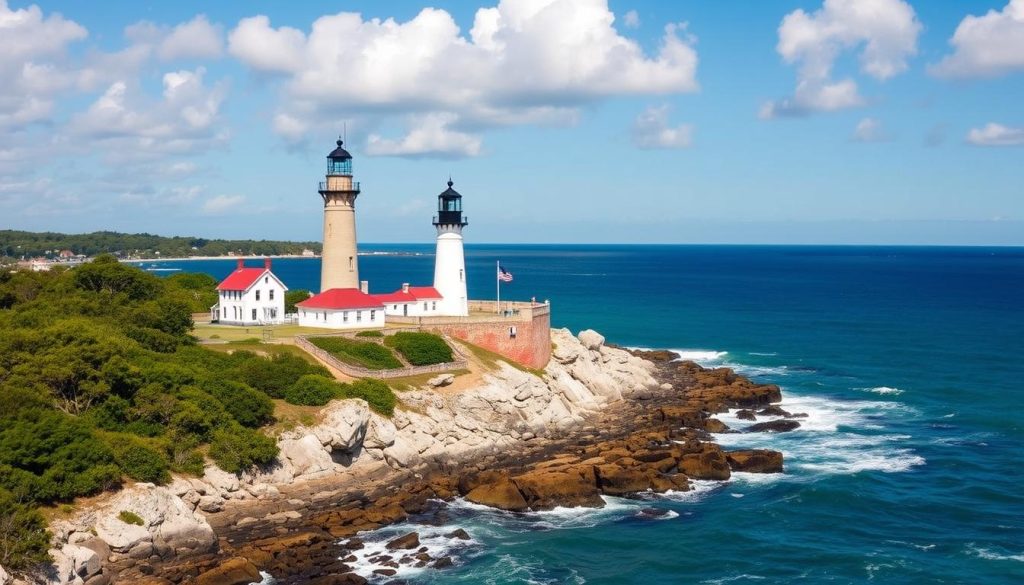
{"x":241,"y":279}
{"x":341,"y":298}
{"x":424,"y":292}
{"x":395,"y":297}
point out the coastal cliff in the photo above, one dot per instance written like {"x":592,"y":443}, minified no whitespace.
{"x":600,"y":420}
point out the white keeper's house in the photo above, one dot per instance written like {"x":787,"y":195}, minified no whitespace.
{"x":250,"y":296}
{"x":341,"y":308}
{"x":412,"y":301}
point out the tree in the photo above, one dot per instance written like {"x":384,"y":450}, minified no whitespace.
{"x":292,"y":297}
{"x":23,"y":536}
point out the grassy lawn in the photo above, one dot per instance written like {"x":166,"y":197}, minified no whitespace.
{"x":207,"y":331}
{"x":260,"y":348}
{"x":359,"y":353}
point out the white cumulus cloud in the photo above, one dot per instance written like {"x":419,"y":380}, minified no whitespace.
{"x":651,"y":130}
{"x":221,"y":204}
{"x":993,"y":134}
{"x":631,"y":19}
{"x":32,"y":50}
{"x":869,"y":130}
{"x":430,"y":135}
{"x":523,"y":61}
{"x":986,"y":46}
{"x":884,"y":31}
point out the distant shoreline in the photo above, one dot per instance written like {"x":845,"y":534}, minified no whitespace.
{"x":186,"y":258}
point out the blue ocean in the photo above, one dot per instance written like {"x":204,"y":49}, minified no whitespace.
{"x":909,"y":362}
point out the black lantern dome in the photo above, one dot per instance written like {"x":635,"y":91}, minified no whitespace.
{"x":449,"y":208}
{"x":339,"y":162}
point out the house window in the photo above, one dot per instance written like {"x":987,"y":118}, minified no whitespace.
{"x":359,"y":316}
{"x":460,"y":274}
{"x":433,"y":305}
{"x":373,"y":315}
{"x":351,"y":263}
{"x":344,"y":317}
{"x":257,"y":294}
{"x":424,"y":305}
{"x":266,"y":280}
{"x":254,"y":314}
{"x":271,"y":294}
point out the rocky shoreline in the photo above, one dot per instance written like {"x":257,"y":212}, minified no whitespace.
{"x":603,"y":421}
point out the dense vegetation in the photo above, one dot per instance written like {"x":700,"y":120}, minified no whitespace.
{"x":292,"y":297}
{"x":419,"y":348}
{"x":18,"y":244}
{"x":317,"y":390}
{"x":101,"y":381}
{"x":361,"y":353}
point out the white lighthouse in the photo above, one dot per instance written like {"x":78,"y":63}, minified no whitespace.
{"x":450,"y":261}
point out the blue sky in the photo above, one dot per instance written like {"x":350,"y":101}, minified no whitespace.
{"x":835,"y":121}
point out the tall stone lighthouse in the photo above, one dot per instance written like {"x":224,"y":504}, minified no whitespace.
{"x":340,"y":265}
{"x":450,"y":262}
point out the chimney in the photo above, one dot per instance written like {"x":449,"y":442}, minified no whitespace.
{"x":241,"y":263}
{"x":266,"y":263}
{"x":405,"y":287}
{"x":364,"y":286}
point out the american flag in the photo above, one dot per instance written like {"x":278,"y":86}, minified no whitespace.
{"x":504,"y":275}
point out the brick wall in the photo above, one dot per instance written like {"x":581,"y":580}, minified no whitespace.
{"x":530,"y":347}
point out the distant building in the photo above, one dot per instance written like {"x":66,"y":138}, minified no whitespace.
{"x":341,"y":308}
{"x":66,"y":254}
{"x":307,"y":253}
{"x":250,"y":296}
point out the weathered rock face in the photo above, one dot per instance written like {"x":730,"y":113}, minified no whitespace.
{"x":573,"y":486}
{"x":755,"y":461}
{"x":5,"y":578}
{"x":591,"y":339}
{"x":236,"y":571}
{"x":501,"y":494}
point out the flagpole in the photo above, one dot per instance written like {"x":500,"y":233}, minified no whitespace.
{"x":497,"y":278}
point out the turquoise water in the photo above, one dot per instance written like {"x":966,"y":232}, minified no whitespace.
{"x":908,"y":361}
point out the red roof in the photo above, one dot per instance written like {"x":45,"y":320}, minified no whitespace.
{"x":341,"y":298}
{"x":241,"y":279}
{"x":395,"y":297}
{"x":424,"y":292}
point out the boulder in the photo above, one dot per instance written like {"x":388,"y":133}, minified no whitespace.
{"x":222,"y":482}
{"x":713,"y":425}
{"x":458,"y":534}
{"x":708,"y":464}
{"x":544,"y":489}
{"x":344,"y":425}
{"x":755,"y":461}
{"x":85,"y":562}
{"x":441,"y":380}
{"x":5,"y":578}
{"x":773,"y":426}
{"x":167,"y":521}
{"x":405,"y":542}
{"x":745,"y":414}
{"x":499,"y":493}
{"x":591,"y":339}
{"x":380,"y":434}
{"x":618,"y":481}
{"x":773,"y":410}
{"x":234,"y":571}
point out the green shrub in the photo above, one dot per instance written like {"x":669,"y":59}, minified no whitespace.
{"x":23,"y":536}
{"x":138,"y":460}
{"x":235,"y":448}
{"x":361,"y":353}
{"x":312,"y":390}
{"x":375,"y":392}
{"x":370,"y":333}
{"x":421,"y":349}
{"x":249,"y":407}
{"x":131,"y":518}
{"x":273,"y":376}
